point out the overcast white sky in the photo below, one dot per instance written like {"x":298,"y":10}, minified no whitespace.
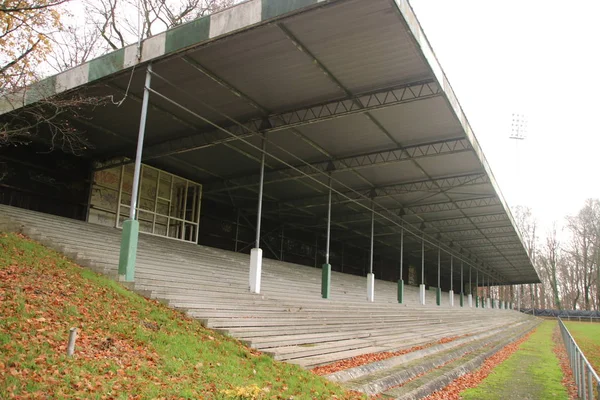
{"x":537,"y":57}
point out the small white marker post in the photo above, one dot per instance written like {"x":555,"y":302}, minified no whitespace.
{"x":72,"y":338}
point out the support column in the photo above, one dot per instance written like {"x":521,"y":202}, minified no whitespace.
{"x":256,"y":252}
{"x":370,"y":276}
{"x":438,"y":290}
{"x":401,"y":280}
{"x":489,"y":294}
{"x":237,"y":230}
{"x":451,"y":291}
{"x":131,"y":227}
{"x":470,"y":298}
{"x":477,"y":289}
{"x":422,"y":285}
{"x":326,"y":268}
{"x":462,"y":286}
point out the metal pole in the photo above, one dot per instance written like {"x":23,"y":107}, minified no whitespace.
{"x":281,"y":245}
{"x":140,"y":145}
{"x":439,"y":267}
{"x":329,"y":224}
{"x":451,"y":273}
{"x":476,"y":288}
{"x":119,"y":195}
{"x":461,"y":278}
{"x":372,"y":235}
{"x":260,"y":189}
{"x":237,"y":229}
{"x":401,"y":252}
{"x":470,"y":283}
{"x":198,"y":211}
{"x":343,"y":254}
{"x":423,"y":260}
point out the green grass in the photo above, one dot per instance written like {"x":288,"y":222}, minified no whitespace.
{"x":532,"y":372}
{"x":587,"y":336}
{"x":127,"y":345}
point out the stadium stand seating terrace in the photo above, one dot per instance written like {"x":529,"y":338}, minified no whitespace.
{"x":288,"y":320}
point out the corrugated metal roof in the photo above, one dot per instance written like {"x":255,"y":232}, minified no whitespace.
{"x":294,"y":71}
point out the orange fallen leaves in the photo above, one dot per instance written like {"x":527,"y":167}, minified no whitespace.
{"x":472,"y":379}
{"x":364,"y":359}
{"x":563,"y":359}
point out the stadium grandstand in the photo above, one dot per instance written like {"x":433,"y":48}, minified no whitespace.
{"x":296,"y":173}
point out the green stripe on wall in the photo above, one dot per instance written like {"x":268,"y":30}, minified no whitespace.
{"x":106,"y":65}
{"x":188,"y":34}
{"x":274,"y":8}
{"x":40,"y":90}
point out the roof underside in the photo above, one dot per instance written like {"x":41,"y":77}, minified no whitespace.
{"x":346,"y":86}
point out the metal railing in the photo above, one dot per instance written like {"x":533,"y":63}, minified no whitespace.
{"x":586,"y":379}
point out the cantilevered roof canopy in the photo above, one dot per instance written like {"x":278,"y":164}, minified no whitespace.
{"x":349,"y":88}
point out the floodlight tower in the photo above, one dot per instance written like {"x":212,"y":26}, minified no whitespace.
{"x":517,"y":133}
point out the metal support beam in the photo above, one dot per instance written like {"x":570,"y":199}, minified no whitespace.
{"x":438,"y":290}
{"x":350,"y":105}
{"x":422,"y":285}
{"x":256,"y":252}
{"x":328,"y":225}
{"x":371,"y":276}
{"x":401,"y":279}
{"x":423,"y":261}
{"x":129,"y":238}
{"x":326,"y":268}
{"x":450,"y":182}
{"x":375,"y":159}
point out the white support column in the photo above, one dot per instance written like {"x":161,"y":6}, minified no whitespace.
{"x":371,"y":287}
{"x":256,"y":253}
{"x":255,"y":269}
{"x":370,"y":276}
{"x":470,"y":300}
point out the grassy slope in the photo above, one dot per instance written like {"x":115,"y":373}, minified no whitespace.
{"x":127,"y":346}
{"x":533,"y":372}
{"x":587,"y":336}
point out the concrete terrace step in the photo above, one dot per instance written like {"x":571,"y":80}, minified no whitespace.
{"x":289,"y":319}
{"x":400,"y":377}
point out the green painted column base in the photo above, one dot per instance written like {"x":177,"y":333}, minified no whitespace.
{"x":492,"y":303}
{"x":400,"y":291}
{"x":438,"y":296}
{"x":326,"y":281}
{"x":462,"y":299}
{"x":129,"y":243}
{"x":476,"y":301}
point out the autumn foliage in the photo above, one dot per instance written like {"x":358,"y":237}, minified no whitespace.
{"x":25,"y":29}
{"x":128,"y":346}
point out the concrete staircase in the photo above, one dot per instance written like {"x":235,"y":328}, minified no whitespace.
{"x":288,"y":320}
